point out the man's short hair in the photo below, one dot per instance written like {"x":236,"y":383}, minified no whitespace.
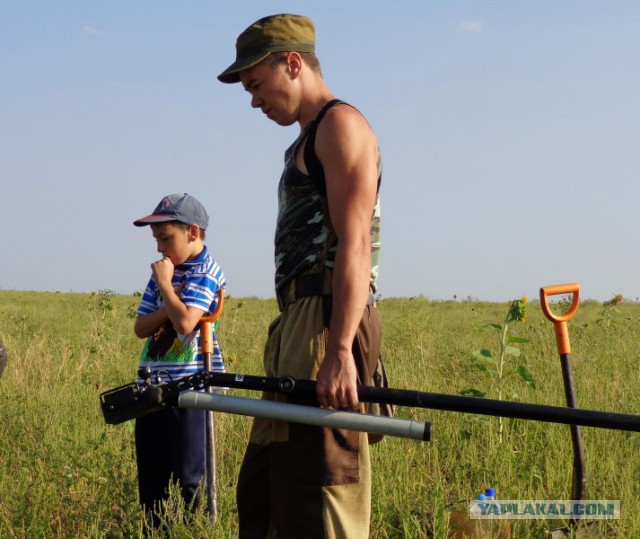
{"x":309,"y":58}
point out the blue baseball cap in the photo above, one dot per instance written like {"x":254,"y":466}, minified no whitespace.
{"x":180,"y":207}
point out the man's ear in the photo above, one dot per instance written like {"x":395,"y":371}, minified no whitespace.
{"x":294,"y":64}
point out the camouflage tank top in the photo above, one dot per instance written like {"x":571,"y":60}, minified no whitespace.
{"x":305,"y":241}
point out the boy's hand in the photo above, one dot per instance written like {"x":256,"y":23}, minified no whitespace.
{"x":162,"y":271}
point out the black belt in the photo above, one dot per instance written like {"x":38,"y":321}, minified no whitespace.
{"x":309,"y":284}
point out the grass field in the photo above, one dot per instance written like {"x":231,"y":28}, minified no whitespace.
{"x":66,"y":474}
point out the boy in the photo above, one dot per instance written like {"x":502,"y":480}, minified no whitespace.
{"x":170,"y":444}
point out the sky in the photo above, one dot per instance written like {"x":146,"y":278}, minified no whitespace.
{"x":509,"y":131}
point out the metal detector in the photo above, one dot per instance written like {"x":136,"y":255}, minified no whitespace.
{"x":131,"y":401}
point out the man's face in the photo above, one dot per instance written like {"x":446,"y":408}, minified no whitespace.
{"x":272,"y":90}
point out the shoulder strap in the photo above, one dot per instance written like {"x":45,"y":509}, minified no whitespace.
{"x":311,"y":161}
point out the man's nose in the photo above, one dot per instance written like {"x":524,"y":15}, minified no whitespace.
{"x":256,"y":102}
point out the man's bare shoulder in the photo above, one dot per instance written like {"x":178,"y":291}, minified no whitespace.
{"x":345,"y":114}
{"x":344,"y":123}
{"x":348,"y":150}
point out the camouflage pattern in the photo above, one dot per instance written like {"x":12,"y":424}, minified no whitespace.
{"x":305,"y":240}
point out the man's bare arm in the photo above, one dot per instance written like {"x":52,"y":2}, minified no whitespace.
{"x":347,"y":149}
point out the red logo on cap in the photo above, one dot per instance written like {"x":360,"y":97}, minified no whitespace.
{"x":166,"y":201}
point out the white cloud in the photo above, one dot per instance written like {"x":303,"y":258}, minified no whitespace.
{"x":472,"y":27}
{"x":92,"y":30}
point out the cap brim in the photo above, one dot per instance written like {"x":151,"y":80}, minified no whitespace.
{"x":231,"y":74}
{"x":151,"y":219}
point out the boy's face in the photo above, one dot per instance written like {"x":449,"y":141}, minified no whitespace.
{"x":177,"y":242}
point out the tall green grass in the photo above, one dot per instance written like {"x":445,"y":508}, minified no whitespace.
{"x":65,"y":473}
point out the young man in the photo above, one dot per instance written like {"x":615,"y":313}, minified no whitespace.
{"x":296,"y":480}
{"x":170,"y":444}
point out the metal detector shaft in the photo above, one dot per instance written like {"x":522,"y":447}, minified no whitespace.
{"x":304,"y":391}
{"x":392,"y":426}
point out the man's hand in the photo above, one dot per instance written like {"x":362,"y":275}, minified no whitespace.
{"x":337,"y":382}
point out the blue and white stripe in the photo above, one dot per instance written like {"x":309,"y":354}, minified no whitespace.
{"x":202,"y":278}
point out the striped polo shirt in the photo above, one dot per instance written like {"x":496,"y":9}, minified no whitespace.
{"x":169,"y":353}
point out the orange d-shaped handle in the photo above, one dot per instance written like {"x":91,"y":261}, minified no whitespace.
{"x":206,"y":335}
{"x":560,"y":320}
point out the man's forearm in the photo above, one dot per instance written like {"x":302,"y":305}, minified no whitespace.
{"x":337,"y":376}
{"x":350,"y":289}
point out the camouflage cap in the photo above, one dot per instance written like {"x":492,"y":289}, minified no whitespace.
{"x":275,"y":33}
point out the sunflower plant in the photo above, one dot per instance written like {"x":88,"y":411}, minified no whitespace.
{"x":494,"y":365}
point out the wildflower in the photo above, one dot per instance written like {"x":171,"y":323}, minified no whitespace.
{"x":517,"y":310}
{"x":615,"y":300}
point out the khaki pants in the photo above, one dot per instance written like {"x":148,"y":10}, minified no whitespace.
{"x":300,"y":481}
